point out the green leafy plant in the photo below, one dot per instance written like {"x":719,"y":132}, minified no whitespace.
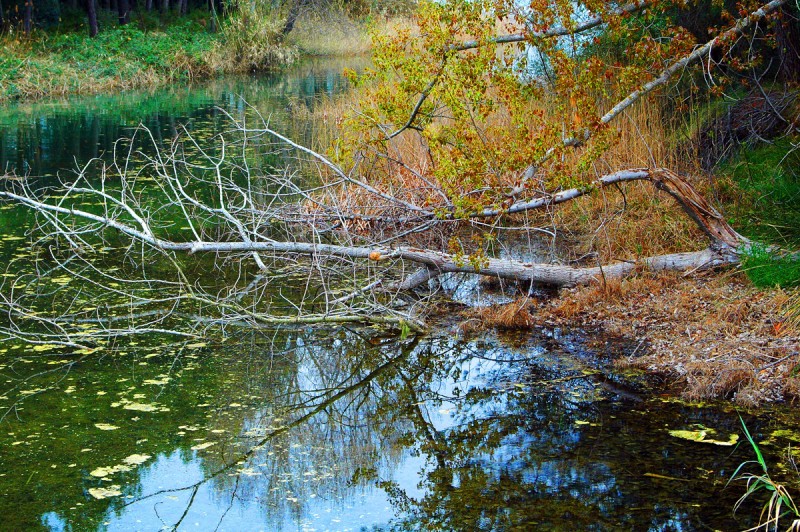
{"x":780,"y":503}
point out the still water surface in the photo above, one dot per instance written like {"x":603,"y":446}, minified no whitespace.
{"x":336,"y":428}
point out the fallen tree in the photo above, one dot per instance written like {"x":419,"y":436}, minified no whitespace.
{"x":266,"y":245}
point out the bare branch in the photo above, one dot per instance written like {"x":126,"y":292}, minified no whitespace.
{"x":559,"y":31}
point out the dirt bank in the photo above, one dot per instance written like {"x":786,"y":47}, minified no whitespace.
{"x":712,"y":336}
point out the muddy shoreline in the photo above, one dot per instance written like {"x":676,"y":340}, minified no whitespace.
{"x":705,"y":337}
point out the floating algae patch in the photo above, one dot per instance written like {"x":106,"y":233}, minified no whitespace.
{"x":104,"y":493}
{"x":702,"y":436}
{"x":783,"y":436}
{"x":162,"y":381}
{"x":101,"y":472}
{"x":136,"y":459}
{"x":139,"y":407}
{"x":201,"y":446}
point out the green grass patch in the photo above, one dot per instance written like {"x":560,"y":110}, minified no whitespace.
{"x":764,"y":205}
{"x":68,"y":61}
{"x":148,"y":52}
{"x":769,"y":270}
{"x":766,"y":202}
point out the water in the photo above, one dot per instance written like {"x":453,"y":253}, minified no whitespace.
{"x":338,"y":428}
{"x":45,"y":138}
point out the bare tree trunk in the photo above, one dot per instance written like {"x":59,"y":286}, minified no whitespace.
{"x":291,"y":18}
{"x":724,"y":248}
{"x":787,"y":42}
{"x":212,"y":25}
{"x":27,"y":21}
{"x":124,"y":11}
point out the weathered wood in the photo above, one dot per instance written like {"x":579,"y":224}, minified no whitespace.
{"x":559,"y":275}
{"x":724,"y":240}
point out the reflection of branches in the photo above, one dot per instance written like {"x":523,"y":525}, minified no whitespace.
{"x":326,"y":401}
{"x":61,"y":368}
{"x":199,"y":195}
{"x":230,"y":505}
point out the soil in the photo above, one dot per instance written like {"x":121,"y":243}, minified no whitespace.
{"x":710,"y":336}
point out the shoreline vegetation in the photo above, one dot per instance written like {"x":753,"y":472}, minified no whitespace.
{"x":149,"y":53}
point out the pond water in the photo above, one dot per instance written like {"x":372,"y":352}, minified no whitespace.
{"x":339,"y":428}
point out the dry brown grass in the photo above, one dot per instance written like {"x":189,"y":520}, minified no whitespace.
{"x":791,"y":313}
{"x":514,"y":316}
{"x":713,"y":337}
{"x":331,"y":33}
{"x":620,"y":223}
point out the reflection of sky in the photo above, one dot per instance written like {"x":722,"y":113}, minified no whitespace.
{"x":543,"y":455}
{"x":363,"y":508}
{"x":331,"y":507}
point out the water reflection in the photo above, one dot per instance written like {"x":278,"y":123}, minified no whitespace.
{"x":332,"y":429}
{"x":42,"y":139}
{"x":347,"y":430}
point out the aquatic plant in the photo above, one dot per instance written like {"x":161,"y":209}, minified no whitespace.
{"x":780,"y":503}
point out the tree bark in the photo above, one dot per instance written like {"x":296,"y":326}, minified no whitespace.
{"x":787,"y":42}
{"x":124,"y":11}
{"x":724,"y":247}
{"x":27,"y":20}
{"x":212,"y":24}
{"x":91,"y":12}
{"x":291,"y":18}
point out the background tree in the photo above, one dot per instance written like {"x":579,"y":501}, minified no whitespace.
{"x":91,"y":11}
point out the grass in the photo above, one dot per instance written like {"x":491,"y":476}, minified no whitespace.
{"x":625,"y":222}
{"x":151,"y":52}
{"x":514,"y":316}
{"x":252,"y":41}
{"x":765,"y":182}
{"x":341,"y":36}
{"x":780,"y":503}
{"x":763,"y":196}
{"x":68,"y":61}
{"x":767,"y":269}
